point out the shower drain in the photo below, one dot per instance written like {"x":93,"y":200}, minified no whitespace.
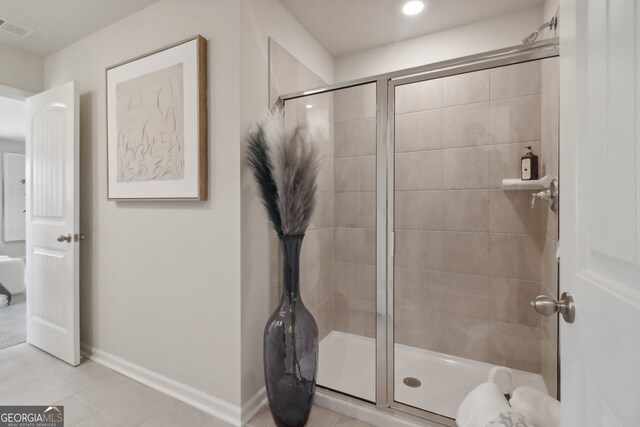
{"x":412,"y":382}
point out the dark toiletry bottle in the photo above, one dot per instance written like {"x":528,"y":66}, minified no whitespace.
{"x":529,"y":165}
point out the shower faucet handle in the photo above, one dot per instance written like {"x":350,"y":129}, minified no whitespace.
{"x":542,"y":195}
{"x":550,"y":195}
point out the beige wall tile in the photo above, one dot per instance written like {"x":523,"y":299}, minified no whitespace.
{"x":323,"y":314}
{"x":284,"y":73}
{"x":515,"y":256}
{"x":422,"y":329}
{"x":420,"y":170}
{"x":465,"y":210}
{"x":349,"y":245}
{"x":370,"y":136}
{"x":307,"y":79}
{"x":515,"y":119}
{"x":465,"y":126}
{"x":354,"y":281}
{"x":466,"y":295}
{"x":368,"y":173}
{"x":322,"y":216}
{"x":319,"y":127}
{"x":273,"y":96}
{"x":516,"y":80}
{"x":355,"y":316}
{"x":347,"y":211}
{"x":466,"y":88}
{"x":418,"y":131}
{"x":511,"y":301}
{"x":348,"y":104}
{"x":355,"y":209}
{"x":367,"y":210}
{"x":467,"y":336}
{"x":514,"y":345}
{"x":465,"y":168}
{"x":505,"y":161}
{"x":511,"y":212}
{"x":419,"y":210}
{"x":349,"y":138}
{"x":316,"y":285}
{"x":347,"y":174}
{"x":465,"y":252}
{"x":421,"y":250}
{"x":326,"y":174}
{"x":358,"y":102}
{"x":316,"y":249}
{"x":369,"y":100}
{"x":420,"y":289}
{"x":420,"y":96}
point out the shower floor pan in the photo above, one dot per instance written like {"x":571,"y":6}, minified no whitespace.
{"x":348,"y":365}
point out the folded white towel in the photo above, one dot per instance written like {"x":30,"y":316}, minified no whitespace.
{"x":509,"y":419}
{"x":482,"y":405}
{"x":539,"y":408}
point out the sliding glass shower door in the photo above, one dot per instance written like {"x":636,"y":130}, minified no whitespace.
{"x":338,"y":272}
{"x":470,"y":253}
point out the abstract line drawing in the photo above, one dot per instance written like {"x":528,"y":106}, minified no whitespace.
{"x":150,"y":126}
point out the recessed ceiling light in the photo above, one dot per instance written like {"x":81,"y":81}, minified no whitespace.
{"x":309,"y":106}
{"x":413,"y":7}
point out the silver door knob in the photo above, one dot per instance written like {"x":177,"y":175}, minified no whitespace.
{"x":62,"y":238}
{"x":548,"y":306}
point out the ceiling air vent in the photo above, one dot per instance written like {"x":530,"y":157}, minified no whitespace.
{"x":15,"y":29}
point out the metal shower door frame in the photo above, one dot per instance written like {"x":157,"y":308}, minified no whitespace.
{"x":386,"y":85}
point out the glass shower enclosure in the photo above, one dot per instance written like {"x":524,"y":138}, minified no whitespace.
{"x":429,"y":260}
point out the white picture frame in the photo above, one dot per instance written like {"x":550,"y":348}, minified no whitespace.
{"x":157,"y":125}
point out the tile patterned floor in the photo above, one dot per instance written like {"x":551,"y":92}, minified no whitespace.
{"x":95,"y":396}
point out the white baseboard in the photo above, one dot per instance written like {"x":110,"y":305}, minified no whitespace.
{"x":189,"y":395}
{"x":253,"y":405}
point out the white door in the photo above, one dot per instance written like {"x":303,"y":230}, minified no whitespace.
{"x":600,"y":211}
{"x":52,"y":222}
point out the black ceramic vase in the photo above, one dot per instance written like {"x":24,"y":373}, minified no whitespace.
{"x":291,"y":346}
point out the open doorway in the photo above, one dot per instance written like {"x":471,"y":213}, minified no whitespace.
{"x":13,"y":293}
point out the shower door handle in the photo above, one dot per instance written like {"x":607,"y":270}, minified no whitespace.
{"x":548,"y":306}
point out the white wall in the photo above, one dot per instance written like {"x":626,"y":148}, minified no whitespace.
{"x":12,"y":249}
{"x":168,"y":286}
{"x":21,"y":70}
{"x":261,"y":19}
{"x":465,"y":40}
{"x":160,"y":281}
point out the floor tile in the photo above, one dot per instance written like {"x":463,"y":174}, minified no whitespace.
{"x":98,"y":420}
{"x":177,"y":414}
{"x":75,"y":411}
{"x":215,"y":422}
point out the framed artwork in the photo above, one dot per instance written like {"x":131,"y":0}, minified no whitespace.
{"x":157,"y":125}
{"x":13,"y":196}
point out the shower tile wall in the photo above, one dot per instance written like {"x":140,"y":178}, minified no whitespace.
{"x":288,"y":75}
{"x":549,"y":268}
{"x":354,"y":255}
{"x":468,"y":254}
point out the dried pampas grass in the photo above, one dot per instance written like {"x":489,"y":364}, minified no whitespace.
{"x":285,"y":166}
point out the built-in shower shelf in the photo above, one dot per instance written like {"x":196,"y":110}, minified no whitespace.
{"x":534,"y":184}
